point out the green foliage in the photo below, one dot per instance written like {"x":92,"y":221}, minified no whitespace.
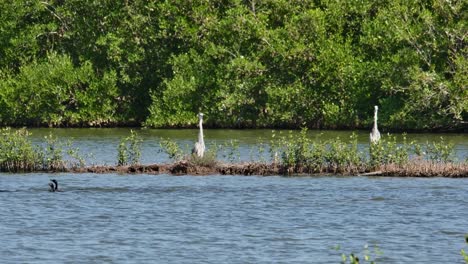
{"x":344,"y":156}
{"x":297,"y":153}
{"x":268,"y":63}
{"x":440,"y":151}
{"x":19,"y":154}
{"x":171,"y":148}
{"x":387,"y":151}
{"x":208,"y":159}
{"x":351,"y":258}
{"x":54,"y":93}
{"x":261,"y":149}
{"x":369,"y":256}
{"x":463,"y":253}
{"x":122,"y":154}
{"x":230,"y":150}
{"x":129,"y":150}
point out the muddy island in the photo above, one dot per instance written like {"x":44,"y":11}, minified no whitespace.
{"x":421,"y":169}
{"x":288,"y":156}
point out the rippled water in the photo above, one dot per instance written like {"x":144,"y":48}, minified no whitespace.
{"x":229,"y":219}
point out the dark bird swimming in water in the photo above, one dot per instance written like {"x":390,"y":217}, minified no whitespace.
{"x":53,"y":186}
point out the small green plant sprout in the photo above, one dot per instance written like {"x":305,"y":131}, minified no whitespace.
{"x":351,"y":258}
{"x":387,"y":151}
{"x":129,"y":150}
{"x":53,"y":153}
{"x":231,"y":150}
{"x":261,"y":152}
{"x":17,"y":153}
{"x":344,"y":156}
{"x":77,"y":161}
{"x":172,"y":149}
{"x":274,"y":148}
{"x":122,"y":153}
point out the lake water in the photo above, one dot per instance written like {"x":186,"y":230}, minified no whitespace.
{"x":230,"y":219}
{"x":113,"y":218}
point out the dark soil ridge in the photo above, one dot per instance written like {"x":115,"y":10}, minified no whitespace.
{"x":420,"y":169}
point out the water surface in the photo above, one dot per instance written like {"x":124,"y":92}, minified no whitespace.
{"x":115,"y":218}
{"x":100,"y":144}
{"x":229,"y":219}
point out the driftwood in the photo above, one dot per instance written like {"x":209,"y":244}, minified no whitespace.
{"x":372,"y":173}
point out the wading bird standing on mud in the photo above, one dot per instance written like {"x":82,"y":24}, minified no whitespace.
{"x":199,"y":148}
{"x":375,"y":134}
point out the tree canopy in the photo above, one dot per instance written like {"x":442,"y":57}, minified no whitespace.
{"x":244,"y":63}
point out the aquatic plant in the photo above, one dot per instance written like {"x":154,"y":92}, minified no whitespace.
{"x":230,"y":150}
{"x":388,"y":151}
{"x":298,"y":154}
{"x":172,"y":149}
{"x":19,"y":154}
{"x":369,"y":256}
{"x":440,"y":151}
{"x":129,"y":150}
{"x":344,"y":156}
{"x":463,"y":253}
{"x":122,"y":153}
{"x":274,"y":147}
{"x":259,"y":151}
{"x":53,"y":158}
{"x":208,"y":160}
{"x":77,"y":160}
{"x":59,"y":155}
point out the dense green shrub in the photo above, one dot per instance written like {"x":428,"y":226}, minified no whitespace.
{"x":297,"y":153}
{"x":129,"y":150}
{"x":271,"y":63}
{"x":387,"y":151}
{"x":54,"y":92}
{"x":463,"y":253}
{"x":19,"y":154}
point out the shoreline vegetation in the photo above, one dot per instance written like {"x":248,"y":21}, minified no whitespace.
{"x":245,"y":64}
{"x":289,"y":155}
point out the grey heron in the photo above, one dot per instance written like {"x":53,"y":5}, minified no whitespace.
{"x":375,"y":134}
{"x":199,"y":148}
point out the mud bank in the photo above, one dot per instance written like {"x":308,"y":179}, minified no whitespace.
{"x":420,"y":169}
